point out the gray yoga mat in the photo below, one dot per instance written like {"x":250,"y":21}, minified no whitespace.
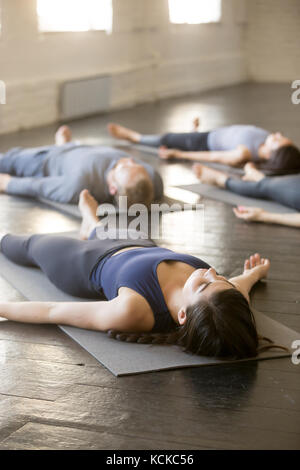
{"x":72,"y":209}
{"x":223,"y":195}
{"x":127,"y":358}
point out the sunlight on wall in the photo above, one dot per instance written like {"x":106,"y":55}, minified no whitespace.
{"x":194,"y":11}
{"x":74,"y":15}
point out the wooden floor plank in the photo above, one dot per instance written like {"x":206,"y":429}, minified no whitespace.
{"x":34,"y":436}
{"x":199,"y":423}
{"x":70,"y":353}
{"x":9,"y":425}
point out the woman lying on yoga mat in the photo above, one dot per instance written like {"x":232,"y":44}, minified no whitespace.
{"x":231,"y":145}
{"x":154,"y":293}
{"x":282,"y":189}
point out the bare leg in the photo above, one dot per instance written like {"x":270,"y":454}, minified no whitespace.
{"x":210,"y":175}
{"x":123,"y":133}
{"x":252,"y":173}
{"x":63,"y":135}
{"x":88,"y":208}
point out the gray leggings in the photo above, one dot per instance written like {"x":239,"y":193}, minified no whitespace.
{"x":67,"y":262}
{"x":188,"y":141}
{"x":282,"y":189}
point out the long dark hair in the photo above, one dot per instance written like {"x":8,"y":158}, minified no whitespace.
{"x":222,"y":325}
{"x":283,"y":161}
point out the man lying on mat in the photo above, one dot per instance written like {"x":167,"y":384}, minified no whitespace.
{"x":282,"y":189}
{"x":60,"y":172}
{"x":146,"y":293}
{"x":231,"y":145}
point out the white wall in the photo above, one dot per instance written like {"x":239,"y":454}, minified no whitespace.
{"x":147,"y":56}
{"x":273,"y":40}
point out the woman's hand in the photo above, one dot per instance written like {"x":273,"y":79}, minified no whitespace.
{"x":255,"y":268}
{"x":165,"y":153}
{"x":250,"y":214}
{"x":257,"y":265}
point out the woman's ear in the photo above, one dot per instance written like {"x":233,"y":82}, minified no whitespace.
{"x":182,"y":316}
{"x":112,"y":189}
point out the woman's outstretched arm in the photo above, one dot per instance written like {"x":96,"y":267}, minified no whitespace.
{"x":255,"y":214}
{"x":102,"y":315}
{"x":255,"y":269}
{"x":227,"y":157}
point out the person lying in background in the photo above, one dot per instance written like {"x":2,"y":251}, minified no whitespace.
{"x":273,"y":153}
{"x":282,"y":189}
{"x":256,"y":214}
{"x":60,"y":172}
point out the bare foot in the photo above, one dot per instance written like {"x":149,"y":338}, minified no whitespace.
{"x":63,"y":135}
{"x":252,"y":173}
{"x":210,"y":175}
{"x":4,"y":180}
{"x":120,"y":132}
{"x":196,"y":123}
{"x":88,"y":209}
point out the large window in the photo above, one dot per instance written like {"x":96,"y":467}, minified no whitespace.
{"x":194,"y":11}
{"x":74,"y":15}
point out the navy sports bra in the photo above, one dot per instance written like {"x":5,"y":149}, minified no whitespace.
{"x":137,"y":269}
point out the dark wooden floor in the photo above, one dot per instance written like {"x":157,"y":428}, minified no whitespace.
{"x":54,"y":395}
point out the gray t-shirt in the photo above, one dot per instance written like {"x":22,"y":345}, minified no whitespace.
{"x":228,"y":138}
{"x":61,"y":173}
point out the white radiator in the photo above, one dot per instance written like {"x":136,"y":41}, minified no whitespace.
{"x":85,"y":97}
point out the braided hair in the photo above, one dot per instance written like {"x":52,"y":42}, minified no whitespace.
{"x":222,"y":325}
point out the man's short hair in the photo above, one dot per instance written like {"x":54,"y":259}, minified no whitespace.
{"x":283,"y":161}
{"x":141,"y":192}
